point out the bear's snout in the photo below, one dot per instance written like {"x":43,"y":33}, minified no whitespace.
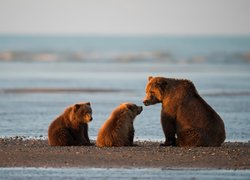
{"x":146,"y":102}
{"x":88,"y":117}
{"x":139,"y":110}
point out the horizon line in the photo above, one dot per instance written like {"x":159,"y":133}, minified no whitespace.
{"x":127,"y":34}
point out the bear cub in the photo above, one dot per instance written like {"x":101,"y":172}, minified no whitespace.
{"x":186,"y":118}
{"x":118,"y":130}
{"x":71,"y":127}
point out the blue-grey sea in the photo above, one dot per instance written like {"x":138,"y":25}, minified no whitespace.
{"x":117,"y":69}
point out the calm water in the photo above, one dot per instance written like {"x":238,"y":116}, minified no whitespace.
{"x":97,"y":173}
{"x":218,"y":66}
{"x":221,"y":75}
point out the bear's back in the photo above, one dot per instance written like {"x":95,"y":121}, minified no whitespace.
{"x":115,"y":131}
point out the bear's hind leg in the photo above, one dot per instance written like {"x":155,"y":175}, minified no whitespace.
{"x":62,"y":137}
{"x":190,"y":137}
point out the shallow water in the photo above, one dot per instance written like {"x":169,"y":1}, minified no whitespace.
{"x":225,"y":87}
{"x":113,"y":173}
{"x":218,"y":65}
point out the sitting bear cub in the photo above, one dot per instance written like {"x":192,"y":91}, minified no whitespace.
{"x":187,"y":120}
{"x":71,"y":128}
{"x":118,"y":130}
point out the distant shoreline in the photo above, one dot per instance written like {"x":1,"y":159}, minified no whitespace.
{"x":61,"y":90}
{"x":18,"y":152}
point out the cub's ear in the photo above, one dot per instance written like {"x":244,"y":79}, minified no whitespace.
{"x":76,"y":107}
{"x":130,"y":107}
{"x":88,"y":103}
{"x":149,"y":78}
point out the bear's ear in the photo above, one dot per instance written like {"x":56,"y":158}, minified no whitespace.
{"x":149,"y":78}
{"x":76,"y":107}
{"x":130,"y":107}
{"x":162,"y":85}
{"x":88,"y":103}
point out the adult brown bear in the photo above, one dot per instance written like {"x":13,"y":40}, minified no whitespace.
{"x":187,"y":120}
{"x":71,"y":127}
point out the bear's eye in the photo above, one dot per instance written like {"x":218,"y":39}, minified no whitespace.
{"x":152,"y":93}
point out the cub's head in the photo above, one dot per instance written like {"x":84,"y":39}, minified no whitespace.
{"x":81,"y":113}
{"x":155,"y":89}
{"x":130,"y":109}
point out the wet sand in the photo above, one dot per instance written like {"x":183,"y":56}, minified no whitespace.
{"x":19,"y":152}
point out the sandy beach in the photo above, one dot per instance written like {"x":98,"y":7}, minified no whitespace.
{"x":19,"y":152}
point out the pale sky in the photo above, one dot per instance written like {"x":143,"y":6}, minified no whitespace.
{"x":160,"y":17}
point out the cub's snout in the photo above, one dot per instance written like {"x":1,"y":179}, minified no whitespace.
{"x":139,"y":110}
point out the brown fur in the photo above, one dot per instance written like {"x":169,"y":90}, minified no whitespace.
{"x":184,"y":114}
{"x":71,"y":128}
{"x":118,"y":130}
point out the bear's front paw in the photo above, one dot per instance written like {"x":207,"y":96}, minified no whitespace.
{"x":162,"y":144}
{"x":90,"y":144}
{"x":135,"y":145}
{"x":169,"y":143}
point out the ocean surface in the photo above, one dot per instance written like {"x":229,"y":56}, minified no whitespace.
{"x":100,"y":173}
{"x":41,"y":75}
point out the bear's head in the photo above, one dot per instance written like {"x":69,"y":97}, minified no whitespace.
{"x":130,"y":109}
{"x":81,"y":113}
{"x":155,"y":89}
{"x":160,"y":88}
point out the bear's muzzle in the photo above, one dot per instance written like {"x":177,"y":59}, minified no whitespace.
{"x":139,"y":109}
{"x":146,"y":102}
